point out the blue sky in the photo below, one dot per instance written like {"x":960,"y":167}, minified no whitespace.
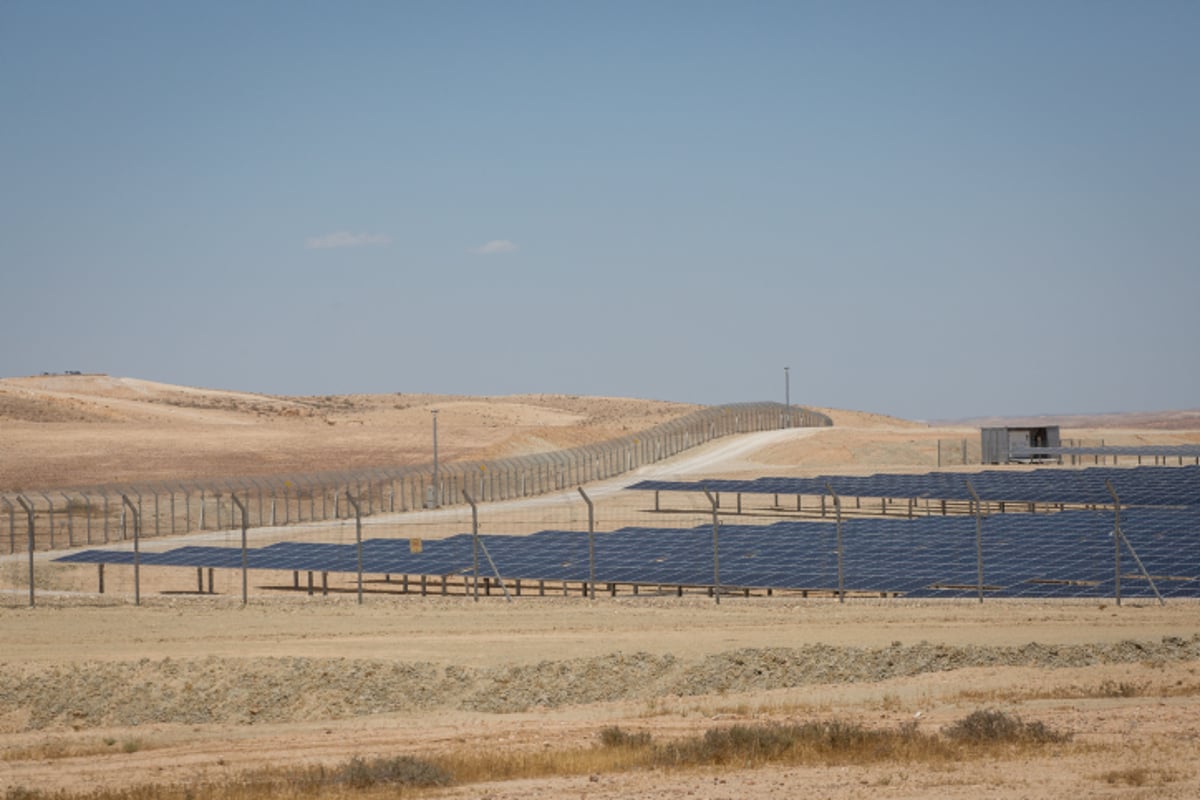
{"x":929,"y":209}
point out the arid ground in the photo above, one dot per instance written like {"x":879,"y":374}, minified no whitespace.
{"x":194,"y":688}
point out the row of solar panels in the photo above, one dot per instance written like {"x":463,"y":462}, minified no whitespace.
{"x":1167,"y":486}
{"x":1165,"y":451}
{"x":1070,"y":554}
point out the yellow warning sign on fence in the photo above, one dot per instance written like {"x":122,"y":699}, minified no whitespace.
{"x":414,"y":545}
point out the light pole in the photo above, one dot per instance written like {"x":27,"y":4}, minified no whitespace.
{"x":787,"y":394}
{"x":437,"y":500}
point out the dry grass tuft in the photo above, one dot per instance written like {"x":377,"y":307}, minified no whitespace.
{"x":741,"y":746}
{"x":1138,"y":776}
{"x":56,"y":747}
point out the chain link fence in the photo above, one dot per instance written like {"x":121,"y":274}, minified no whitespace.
{"x":959,"y":452}
{"x":64,"y":518}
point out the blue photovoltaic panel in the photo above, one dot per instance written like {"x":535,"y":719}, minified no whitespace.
{"x":1068,"y":554}
{"x":1135,"y":486}
{"x":1162,"y":450}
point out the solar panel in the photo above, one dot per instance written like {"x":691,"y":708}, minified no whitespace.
{"x":1163,"y":451}
{"x":1135,"y":486}
{"x":1068,"y":554}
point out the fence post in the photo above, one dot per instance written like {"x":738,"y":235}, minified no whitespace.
{"x":978,"y":538}
{"x":478,"y":542}
{"x":352,"y":500}
{"x":50,"y":512}
{"x":837,"y":507}
{"x":245,"y":524}
{"x":591,"y":543}
{"x":70,"y":524}
{"x":1119,"y":536}
{"x":28,"y":506}
{"x":716,"y":547}
{"x":137,"y":555}
{"x":12,"y":526}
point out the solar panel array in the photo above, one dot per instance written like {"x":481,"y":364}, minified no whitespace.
{"x":1069,"y":554}
{"x":1174,"y":486}
{"x":1162,"y":450}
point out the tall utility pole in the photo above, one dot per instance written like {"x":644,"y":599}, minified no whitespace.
{"x":437,"y":500}
{"x":787,"y":394}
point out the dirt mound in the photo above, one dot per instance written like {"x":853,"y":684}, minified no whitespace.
{"x":248,"y":691}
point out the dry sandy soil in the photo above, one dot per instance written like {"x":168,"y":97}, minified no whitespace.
{"x":95,"y":692}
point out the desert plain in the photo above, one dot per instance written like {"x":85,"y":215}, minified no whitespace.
{"x":195,"y":689}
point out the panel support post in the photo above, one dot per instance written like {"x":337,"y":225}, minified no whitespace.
{"x":28,"y":506}
{"x":137,"y":552}
{"x":1119,"y":536}
{"x":978,"y":539}
{"x":837,"y":508}
{"x":592,"y":543}
{"x":715,"y":502}
{"x":353,"y":501}
{"x":245,"y":566}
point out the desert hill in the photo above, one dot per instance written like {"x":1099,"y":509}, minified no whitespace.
{"x":59,"y":431}
{"x":71,"y":430}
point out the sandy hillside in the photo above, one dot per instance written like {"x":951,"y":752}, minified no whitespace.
{"x":80,"y":430}
{"x":189,"y":688}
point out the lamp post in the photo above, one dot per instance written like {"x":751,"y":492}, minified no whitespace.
{"x":787,"y":393}
{"x":437,"y":500}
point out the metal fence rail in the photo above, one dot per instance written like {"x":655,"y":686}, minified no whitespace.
{"x":63,"y":518}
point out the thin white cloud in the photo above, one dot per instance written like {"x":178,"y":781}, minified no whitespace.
{"x":346,"y":239}
{"x":495,"y":246}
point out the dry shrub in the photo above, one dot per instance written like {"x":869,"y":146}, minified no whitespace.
{"x":361,"y":773}
{"x":834,"y":741}
{"x":1136,"y":776}
{"x":614,"y":736}
{"x":1121,"y":689}
{"x":998,"y":727}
